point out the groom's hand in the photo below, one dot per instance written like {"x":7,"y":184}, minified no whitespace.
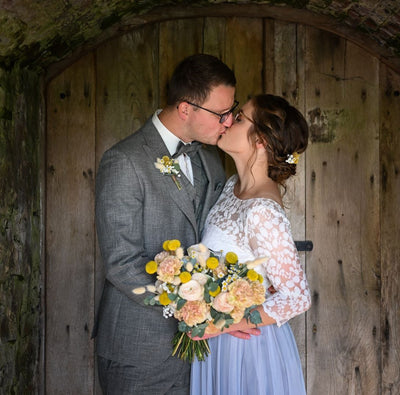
{"x":246,"y":334}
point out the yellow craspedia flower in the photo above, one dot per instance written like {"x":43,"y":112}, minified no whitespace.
{"x":173,"y":244}
{"x":212,"y":263}
{"x":151,"y":267}
{"x":252,"y":275}
{"x":165,"y":245}
{"x":231,"y":258}
{"x":185,"y":277}
{"x":216,"y":292}
{"x":166,"y":160}
{"x":164,"y":299}
{"x":260,"y":278}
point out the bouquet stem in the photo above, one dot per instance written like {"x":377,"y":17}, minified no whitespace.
{"x":187,"y":349}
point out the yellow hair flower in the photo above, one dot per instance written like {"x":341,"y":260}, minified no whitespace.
{"x":260,"y":278}
{"x":212,"y":263}
{"x":231,"y":258}
{"x":185,"y":277}
{"x":252,"y":275}
{"x":151,"y":267}
{"x":293,"y":159}
{"x":173,"y":245}
{"x":164,"y":299}
{"x":216,"y":292}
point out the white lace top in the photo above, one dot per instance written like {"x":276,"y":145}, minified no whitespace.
{"x":256,"y":228}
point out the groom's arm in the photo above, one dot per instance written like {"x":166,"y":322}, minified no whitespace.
{"x":119,"y":223}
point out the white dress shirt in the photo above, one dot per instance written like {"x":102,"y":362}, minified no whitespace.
{"x":172,"y":141}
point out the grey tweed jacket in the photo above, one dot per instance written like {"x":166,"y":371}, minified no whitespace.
{"x":137,"y":208}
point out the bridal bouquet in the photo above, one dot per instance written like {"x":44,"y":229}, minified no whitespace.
{"x":200,"y":289}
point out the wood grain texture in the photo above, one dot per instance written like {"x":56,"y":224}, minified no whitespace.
{"x":69,"y":230}
{"x":287,"y":79}
{"x":390,"y":229}
{"x":177,"y":40}
{"x":342,"y":219}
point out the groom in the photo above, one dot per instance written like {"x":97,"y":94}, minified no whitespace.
{"x":138,"y":207}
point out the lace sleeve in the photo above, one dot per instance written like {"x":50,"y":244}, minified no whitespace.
{"x":269,"y":234}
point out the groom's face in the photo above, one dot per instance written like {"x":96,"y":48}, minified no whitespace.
{"x":204,"y":126}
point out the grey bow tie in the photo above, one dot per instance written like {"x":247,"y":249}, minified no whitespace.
{"x":188,"y":149}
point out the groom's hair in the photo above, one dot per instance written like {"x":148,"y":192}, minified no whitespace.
{"x":195,"y":77}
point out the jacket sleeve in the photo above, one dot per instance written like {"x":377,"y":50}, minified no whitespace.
{"x":119,"y":223}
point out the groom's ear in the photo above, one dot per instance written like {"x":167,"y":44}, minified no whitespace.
{"x":183,"y":110}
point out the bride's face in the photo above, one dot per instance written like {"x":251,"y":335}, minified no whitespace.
{"x":235,"y":140}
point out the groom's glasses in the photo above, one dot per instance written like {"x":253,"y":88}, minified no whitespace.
{"x":222,"y":117}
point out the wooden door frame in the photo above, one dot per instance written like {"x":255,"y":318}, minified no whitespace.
{"x":225,"y":10}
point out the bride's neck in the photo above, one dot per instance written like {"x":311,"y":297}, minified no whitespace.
{"x":255,"y":183}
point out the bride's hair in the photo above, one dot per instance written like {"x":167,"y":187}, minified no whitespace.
{"x":284,"y":132}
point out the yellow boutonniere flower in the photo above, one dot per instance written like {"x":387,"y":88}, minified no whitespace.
{"x":169,"y":167}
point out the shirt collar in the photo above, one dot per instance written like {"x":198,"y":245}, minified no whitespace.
{"x":170,"y":140}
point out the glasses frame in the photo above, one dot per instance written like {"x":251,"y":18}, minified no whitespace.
{"x":242,"y":113}
{"x":222,"y":117}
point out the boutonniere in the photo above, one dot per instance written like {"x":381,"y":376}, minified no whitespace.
{"x":169,"y":167}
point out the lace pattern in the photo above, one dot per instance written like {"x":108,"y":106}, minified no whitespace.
{"x":255,"y":228}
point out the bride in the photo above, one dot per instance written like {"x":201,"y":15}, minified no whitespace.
{"x":249,"y":219}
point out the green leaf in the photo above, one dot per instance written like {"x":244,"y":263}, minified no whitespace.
{"x":180,"y":304}
{"x":255,"y":317}
{"x":198,"y":331}
{"x":213,"y":286}
{"x":183,"y":327}
{"x":172,"y":297}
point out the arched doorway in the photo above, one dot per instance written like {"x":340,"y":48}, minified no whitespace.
{"x":334,"y":200}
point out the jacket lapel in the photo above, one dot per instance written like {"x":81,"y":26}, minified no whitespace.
{"x":215,"y":183}
{"x":155,"y":148}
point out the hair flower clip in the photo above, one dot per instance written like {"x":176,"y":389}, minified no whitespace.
{"x":293,"y":159}
{"x":169,"y":167}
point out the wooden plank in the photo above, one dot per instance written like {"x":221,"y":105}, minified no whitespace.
{"x":342,"y":220}
{"x":214,"y":37}
{"x":126,"y":95}
{"x":390,"y":229}
{"x":287,"y":79}
{"x":127,"y":85}
{"x":70,"y":230}
{"x":244,"y":54}
{"x":178,"y":39}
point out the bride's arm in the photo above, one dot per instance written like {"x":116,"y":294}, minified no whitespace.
{"x":269,"y":235}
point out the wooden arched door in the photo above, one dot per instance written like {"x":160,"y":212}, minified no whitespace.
{"x":333,"y":201}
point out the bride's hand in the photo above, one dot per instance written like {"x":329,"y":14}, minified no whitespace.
{"x":246,"y":334}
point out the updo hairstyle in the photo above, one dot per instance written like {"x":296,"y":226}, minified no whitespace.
{"x":283,"y":130}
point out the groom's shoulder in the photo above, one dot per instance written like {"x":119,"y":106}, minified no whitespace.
{"x":134,"y":141}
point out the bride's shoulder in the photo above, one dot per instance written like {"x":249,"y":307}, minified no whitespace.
{"x":230,"y":183}
{"x":267,"y":208}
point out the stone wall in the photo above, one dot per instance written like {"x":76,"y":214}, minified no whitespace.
{"x":20,"y":281}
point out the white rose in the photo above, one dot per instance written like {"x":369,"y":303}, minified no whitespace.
{"x":201,"y":278}
{"x":200,"y":252}
{"x":191,"y":290}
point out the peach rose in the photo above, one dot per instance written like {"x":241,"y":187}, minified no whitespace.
{"x":193,"y":312}
{"x":168,"y":269}
{"x":220,"y":303}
